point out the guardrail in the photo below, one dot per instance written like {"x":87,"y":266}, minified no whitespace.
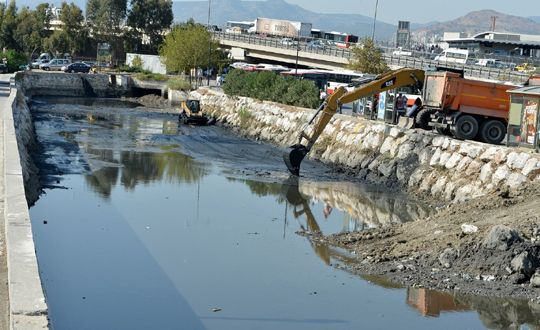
{"x":393,"y":60}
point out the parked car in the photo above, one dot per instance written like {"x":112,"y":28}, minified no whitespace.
{"x":38,"y":62}
{"x":288,"y":42}
{"x":401,"y":52}
{"x":316,"y":44}
{"x":55,"y":64}
{"x":77,"y":67}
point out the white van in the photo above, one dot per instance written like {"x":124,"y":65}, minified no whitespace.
{"x":453,"y":55}
{"x":488,"y":62}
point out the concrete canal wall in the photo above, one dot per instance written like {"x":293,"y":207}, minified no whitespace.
{"x":72,"y":84}
{"x":419,"y":161}
{"x":27,"y":306}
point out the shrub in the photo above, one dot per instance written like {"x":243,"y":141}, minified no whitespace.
{"x":146,"y":75}
{"x":178,"y":83}
{"x":14,"y":60}
{"x":302,"y":93}
{"x":137,"y":62}
{"x":273,"y":87}
{"x":127,"y":68}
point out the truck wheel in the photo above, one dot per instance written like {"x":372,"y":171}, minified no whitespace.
{"x":422,"y":119}
{"x":492,"y":131}
{"x":466,"y":127}
{"x":443,"y":131}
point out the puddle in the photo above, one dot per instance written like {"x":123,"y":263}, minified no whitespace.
{"x":160,"y":226}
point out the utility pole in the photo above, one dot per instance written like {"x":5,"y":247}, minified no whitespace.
{"x":296,"y":62}
{"x":209,"y":45}
{"x":374,"y":21}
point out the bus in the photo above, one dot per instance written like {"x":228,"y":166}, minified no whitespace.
{"x":340,"y":39}
{"x":326,"y":80}
{"x":453,"y":55}
{"x":317,"y":76}
{"x":340,"y":78}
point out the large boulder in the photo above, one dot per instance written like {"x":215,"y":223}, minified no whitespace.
{"x":447,"y":257}
{"x":523,"y":263}
{"x":501,"y":237}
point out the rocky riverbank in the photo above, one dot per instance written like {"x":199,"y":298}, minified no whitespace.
{"x":420,"y":162}
{"x":488,"y":246}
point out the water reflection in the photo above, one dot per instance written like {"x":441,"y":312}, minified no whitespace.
{"x":432,"y":303}
{"x":301,"y":208}
{"x":367,"y":209}
{"x":131,"y":168}
{"x":363,"y":209}
{"x":85,"y":101}
{"x":494,"y":312}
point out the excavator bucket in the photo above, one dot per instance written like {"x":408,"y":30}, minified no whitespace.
{"x":294,"y":158}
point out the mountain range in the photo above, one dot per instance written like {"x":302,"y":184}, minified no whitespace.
{"x":236,"y":10}
{"x":362,"y":25}
{"x":481,"y":21}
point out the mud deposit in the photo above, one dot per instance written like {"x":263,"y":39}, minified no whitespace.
{"x":145,"y":224}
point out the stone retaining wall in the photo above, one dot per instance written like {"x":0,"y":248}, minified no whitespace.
{"x":422,"y":162}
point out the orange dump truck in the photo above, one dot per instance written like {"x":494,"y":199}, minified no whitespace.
{"x":465,"y":108}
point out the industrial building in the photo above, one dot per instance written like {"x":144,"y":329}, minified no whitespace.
{"x":496,"y":43}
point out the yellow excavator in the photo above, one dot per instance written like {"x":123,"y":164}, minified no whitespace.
{"x":191,"y":113}
{"x":385,"y":82}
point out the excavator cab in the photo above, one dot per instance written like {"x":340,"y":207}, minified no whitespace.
{"x":190,"y":113}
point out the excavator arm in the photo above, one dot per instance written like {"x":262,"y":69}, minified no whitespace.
{"x":385,"y":82}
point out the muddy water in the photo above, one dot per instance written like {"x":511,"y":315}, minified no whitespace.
{"x":145,"y":224}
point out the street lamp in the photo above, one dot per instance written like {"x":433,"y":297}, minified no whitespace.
{"x":209,"y":45}
{"x":374,"y":21}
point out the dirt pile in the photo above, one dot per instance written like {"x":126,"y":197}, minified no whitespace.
{"x":490,"y":245}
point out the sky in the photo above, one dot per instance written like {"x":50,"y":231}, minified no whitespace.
{"x":420,"y":11}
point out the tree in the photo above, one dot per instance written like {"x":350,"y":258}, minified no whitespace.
{"x":44,"y":16}
{"x":106,"y":19}
{"x":147,"y":20}
{"x":58,"y":43}
{"x":367,"y":58}
{"x":27,"y":33}
{"x":76,"y":33}
{"x":189,"y":46}
{"x":9,"y":25}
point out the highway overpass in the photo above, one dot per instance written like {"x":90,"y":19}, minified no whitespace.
{"x":253,"y":48}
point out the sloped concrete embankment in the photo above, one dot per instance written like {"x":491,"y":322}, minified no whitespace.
{"x":26,"y":142}
{"x":27,"y":307}
{"x":419,"y":161}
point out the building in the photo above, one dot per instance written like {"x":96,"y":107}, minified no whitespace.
{"x":496,"y":44}
{"x":523,"y":118}
{"x":403,"y":36}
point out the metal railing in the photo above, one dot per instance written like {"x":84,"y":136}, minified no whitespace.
{"x":473,"y":71}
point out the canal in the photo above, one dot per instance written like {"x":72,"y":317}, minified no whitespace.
{"x":145,"y":224}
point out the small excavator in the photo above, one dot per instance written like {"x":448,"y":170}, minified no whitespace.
{"x":387,"y":81}
{"x":191,"y":114}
